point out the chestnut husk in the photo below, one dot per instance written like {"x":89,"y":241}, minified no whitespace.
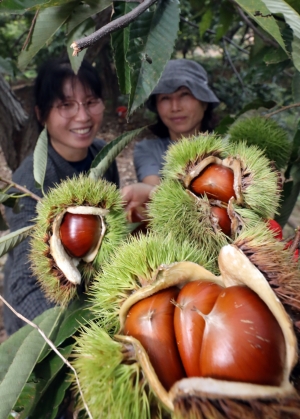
{"x":60,"y":275}
{"x":198,"y":398}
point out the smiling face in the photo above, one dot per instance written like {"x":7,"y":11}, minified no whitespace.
{"x":181,"y":112}
{"x":71,"y":137}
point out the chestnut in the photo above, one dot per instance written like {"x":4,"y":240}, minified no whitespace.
{"x":223,"y":219}
{"x":216,"y":181}
{"x":188,"y":325}
{"x":151,"y":322}
{"x":240,"y":338}
{"x":80,"y":233}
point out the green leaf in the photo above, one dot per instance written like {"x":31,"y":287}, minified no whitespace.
{"x":120,"y":45}
{"x":84,"y":29}
{"x":152,"y":38}
{"x":223,"y":126}
{"x":18,"y":6}
{"x":225,"y":20}
{"x":11,"y":240}
{"x":40,"y":156}
{"x":83,"y":12}
{"x":108,"y":153}
{"x":49,"y":404}
{"x":77,"y":314}
{"x":292,"y":18}
{"x":32,"y":398}
{"x":261,"y":14}
{"x":4,"y":197}
{"x":274,"y":56}
{"x":296,"y":87}
{"x":47,"y":24}
{"x":206,"y":21}
{"x":3,"y":225}
{"x":20,"y":367}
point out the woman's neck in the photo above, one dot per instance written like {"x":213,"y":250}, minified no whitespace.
{"x":70,"y":154}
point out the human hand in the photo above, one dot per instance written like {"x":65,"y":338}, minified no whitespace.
{"x":136,"y":194}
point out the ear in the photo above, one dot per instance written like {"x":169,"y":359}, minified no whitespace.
{"x":38,"y":115}
{"x":205,"y":105}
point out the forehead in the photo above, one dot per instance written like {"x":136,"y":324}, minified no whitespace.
{"x":177,"y":91}
{"x":73,"y":86}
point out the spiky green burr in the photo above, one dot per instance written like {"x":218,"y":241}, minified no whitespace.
{"x":264,"y":133}
{"x":75,"y":192}
{"x":111,"y":377}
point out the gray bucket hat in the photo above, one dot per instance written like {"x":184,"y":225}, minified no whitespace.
{"x":186,"y":73}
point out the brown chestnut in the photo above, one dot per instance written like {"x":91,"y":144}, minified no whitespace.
{"x":151,"y":322}
{"x":223,"y":219}
{"x":216,"y":181}
{"x":241,"y":339}
{"x":189,"y":325}
{"x":80,"y":233}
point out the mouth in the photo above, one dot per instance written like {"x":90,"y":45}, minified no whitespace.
{"x":178,"y":119}
{"x":81,"y":131}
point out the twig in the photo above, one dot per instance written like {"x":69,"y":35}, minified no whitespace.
{"x":284,"y":108}
{"x":232,"y":65}
{"x":52,"y":346}
{"x":194,"y":25}
{"x":254,"y":28}
{"x":30,"y":30}
{"x":113,"y":26}
{"x":21,"y":188}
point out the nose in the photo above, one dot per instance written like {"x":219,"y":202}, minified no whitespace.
{"x":175,"y":104}
{"x":82,"y":114}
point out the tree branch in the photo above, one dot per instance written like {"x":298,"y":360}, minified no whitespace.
{"x":284,"y":108}
{"x":21,"y":188}
{"x":113,"y":26}
{"x":194,"y":25}
{"x":232,"y":65}
{"x":251,"y":25}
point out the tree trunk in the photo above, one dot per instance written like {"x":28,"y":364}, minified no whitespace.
{"x":18,"y":131}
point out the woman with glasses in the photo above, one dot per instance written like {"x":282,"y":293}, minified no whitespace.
{"x":70,"y":107}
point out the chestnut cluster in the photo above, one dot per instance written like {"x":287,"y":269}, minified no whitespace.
{"x":80,"y":233}
{"x":207,"y":330}
{"x":216,"y":182}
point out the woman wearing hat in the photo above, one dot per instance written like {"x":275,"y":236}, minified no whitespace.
{"x":183,"y":103}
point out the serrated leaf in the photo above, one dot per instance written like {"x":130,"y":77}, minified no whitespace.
{"x":108,"y":153}
{"x":206,"y":21}
{"x":77,"y":314}
{"x":18,"y":6}
{"x":47,"y":24}
{"x":261,"y":14}
{"x":49,"y":404}
{"x":152,"y":38}
{"x":11,"y":240}
{"x":120,"y":45}
{"x":39,"y":382}
{"x":225,"y":20}
{"x":40,"y":156}
{"x":3,"y":225}
{"x":83,"y":12}
{"x":84,"y":29}
{"x":296,"y":87}
{"x":274,"y":56}
{"x":292,"y":18}
{"x":295,"y":146}
{"x":21,"y":366}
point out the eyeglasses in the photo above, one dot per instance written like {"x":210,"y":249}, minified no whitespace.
{"x":70,"y":108}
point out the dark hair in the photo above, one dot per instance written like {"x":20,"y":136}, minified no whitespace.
{"x":51,"y":77}
{"x":208,"y":123}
